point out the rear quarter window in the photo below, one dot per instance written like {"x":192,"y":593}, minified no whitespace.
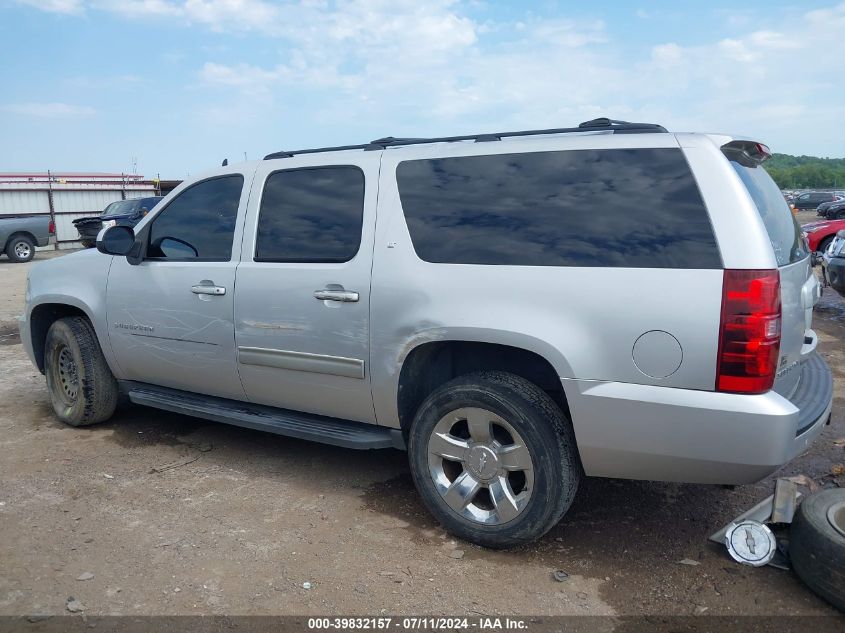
{"x":781,"y":225}
{"x":637,"y":208}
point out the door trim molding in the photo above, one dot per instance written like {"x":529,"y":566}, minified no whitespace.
{"x":301,"y":361}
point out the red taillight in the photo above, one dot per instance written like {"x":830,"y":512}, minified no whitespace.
{"x":763,"y":151}
{"x":749,"y":334}
{"x":51,"y":227}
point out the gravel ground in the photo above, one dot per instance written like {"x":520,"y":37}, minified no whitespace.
{"x":154,"y":513}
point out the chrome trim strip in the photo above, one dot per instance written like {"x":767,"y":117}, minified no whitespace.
{"x":301,"y":361}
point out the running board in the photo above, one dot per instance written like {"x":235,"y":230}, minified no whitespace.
{"x":303,"y":426}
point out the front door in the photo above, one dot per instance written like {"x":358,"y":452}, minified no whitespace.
{"x":302,"y":305}
{"x":171,"y":316}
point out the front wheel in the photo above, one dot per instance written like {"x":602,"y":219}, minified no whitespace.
{"x":494,"y":459}
{"x":824,"y":244}
{"x":82,"y":388}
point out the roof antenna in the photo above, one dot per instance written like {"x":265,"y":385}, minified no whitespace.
{"x":225,"y":162}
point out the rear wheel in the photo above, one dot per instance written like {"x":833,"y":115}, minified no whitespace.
{"x":82,"y":388}
{"x":494,"y":459}
{"x":20,"y":249}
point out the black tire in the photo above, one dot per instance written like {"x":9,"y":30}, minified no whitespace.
{"x":817,"y":548}
{"x":82,"y":388}
{"x":546,"y":432}
{"x":20,"y":249}
{"x":825,"y":243}
{"x":88,"y":243}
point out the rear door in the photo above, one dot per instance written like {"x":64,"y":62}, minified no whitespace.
{"x":302,"y":308}
{"x":798,"y":285}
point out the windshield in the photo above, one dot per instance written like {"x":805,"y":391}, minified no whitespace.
{"x":781,"y":225}
{"x":123,"y":206}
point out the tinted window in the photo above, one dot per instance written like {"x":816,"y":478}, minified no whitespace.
{"x":784,"y":232}
{"x":147,"y":203}
{"x":311,"y":215}
{"x":121,"y":206}
{"x":627,"y":208}
{"x":199,"y":223}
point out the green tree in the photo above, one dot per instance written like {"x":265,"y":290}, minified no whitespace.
{"x":806,"y":172}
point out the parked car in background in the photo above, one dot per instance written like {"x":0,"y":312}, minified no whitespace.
{"x":122,"y":213}
{"x":812,"y":199}
{"x":824,"y":206}
{"x":833,"y":264}
{"x":832,"y":210}
{"x":20,"y":236}
{"x":820,"y":234}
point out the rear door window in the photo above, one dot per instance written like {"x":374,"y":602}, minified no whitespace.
{"x":781,"y":225}
{"x":633,"y":208}
{"x":311,"y":215}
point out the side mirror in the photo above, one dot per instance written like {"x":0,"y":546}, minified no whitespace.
{"x":176,"y":248}
{"x":116,"y":240}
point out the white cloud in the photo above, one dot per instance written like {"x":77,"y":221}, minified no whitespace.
{"x":136,"y":8}
{"x":56,"y":6}
{"x":667,"y":54}
{"x":47,"y":110}
{"x":427,"y":66}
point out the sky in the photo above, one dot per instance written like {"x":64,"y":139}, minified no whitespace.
{"x":172,"y":87}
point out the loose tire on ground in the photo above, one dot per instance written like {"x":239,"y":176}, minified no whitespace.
{"x":817,"y":545}
{"x":20,"y":249}
{"x":86,"y":243}
{"x":82,"y":388}
{"x":520,"y":503}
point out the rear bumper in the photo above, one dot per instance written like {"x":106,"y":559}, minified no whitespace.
{"x":660,"y":433}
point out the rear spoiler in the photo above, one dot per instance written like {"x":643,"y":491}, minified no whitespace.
{"x":747,"y":153}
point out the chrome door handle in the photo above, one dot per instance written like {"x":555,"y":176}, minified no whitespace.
{"x":336,"y":295}
{"x":202,"y":289}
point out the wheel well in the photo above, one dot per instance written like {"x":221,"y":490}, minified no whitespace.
{"x":17,"y":234}
{"x":433,"y":364}
{"x":40,"y":320}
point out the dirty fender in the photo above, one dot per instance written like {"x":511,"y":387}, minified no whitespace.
{"x":78,"y":280}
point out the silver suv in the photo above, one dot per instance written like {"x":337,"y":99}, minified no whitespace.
{"x":518,"y":310}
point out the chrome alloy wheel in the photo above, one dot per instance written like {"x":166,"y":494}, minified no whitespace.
{"x":67,"y":375}
{"x":480,"y":465}
{"x":22,"y":250}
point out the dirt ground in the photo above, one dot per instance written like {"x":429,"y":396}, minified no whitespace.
{"x":154,"y":513}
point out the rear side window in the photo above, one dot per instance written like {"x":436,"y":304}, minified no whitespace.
{"x":199,"y":223}
{"x":635,"y":208}
{"x":311,"y":215}
{"x":781,"y":225}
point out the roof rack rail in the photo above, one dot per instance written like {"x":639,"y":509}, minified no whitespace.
{"x":596,"y":125}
